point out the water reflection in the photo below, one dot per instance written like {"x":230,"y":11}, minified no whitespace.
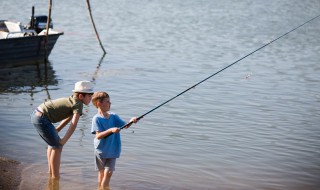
{"x":26,"y":78}
{"x":53,"y":184}
{"x":95,"y":74}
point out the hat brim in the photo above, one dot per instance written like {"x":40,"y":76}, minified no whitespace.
{"x":87,"y":91}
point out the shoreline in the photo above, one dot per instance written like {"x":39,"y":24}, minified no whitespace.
{"x":10,"y":174}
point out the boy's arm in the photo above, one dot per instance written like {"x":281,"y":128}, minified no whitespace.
{"x":71,"y":129}
{"x":63,"y":123}
{"x":100,"y":135}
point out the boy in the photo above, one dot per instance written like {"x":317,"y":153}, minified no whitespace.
{"x":64,"y":110}
{"x":106,"y":126}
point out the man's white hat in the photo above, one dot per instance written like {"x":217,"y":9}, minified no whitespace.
{"x":83,"y":87}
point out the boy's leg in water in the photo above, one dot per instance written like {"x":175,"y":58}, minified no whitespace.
{"x":106,"y":178}
{"x":55,"y":158}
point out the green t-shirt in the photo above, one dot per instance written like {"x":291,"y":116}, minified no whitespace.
{"x":62,"y":108}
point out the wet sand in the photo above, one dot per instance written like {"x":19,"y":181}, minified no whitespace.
{"x":15,"y":175}
{"x":10,"y":174}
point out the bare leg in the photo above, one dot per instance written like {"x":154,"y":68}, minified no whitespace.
{"x":49,"y":165}
{"x":55,"y":158}
{"x":100,"y":177}
{"x":106,"y":179}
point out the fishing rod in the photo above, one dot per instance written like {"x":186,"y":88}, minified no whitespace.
{"x":191,"y":87}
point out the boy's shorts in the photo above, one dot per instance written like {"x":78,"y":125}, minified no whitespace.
{"x":105,"y":163}
{"x":46,"y":130}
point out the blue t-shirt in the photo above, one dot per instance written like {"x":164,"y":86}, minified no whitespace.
{"x":109,"y":147}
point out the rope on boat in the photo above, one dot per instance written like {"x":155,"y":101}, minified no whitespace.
{"x":47,"y":33}
{"x":94,"y":27}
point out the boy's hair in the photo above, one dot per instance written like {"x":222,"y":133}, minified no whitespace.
{"x":99,"y":96}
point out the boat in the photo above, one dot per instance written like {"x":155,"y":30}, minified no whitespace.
{"x":26,"y":44}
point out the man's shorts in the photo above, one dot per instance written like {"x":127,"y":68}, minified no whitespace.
{"x":46,"y":130}
{"x":105,"y":163}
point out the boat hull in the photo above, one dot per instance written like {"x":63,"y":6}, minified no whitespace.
{"x":23,"y":50}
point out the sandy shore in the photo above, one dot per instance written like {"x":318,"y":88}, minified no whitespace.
{"x":16,"y":175}
{"x":10,"y":174}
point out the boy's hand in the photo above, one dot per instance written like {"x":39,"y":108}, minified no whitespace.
{"x":115,"y":130}
{"x":132,"y":120}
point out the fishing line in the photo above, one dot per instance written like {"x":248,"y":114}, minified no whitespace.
{"x":220,"y":71}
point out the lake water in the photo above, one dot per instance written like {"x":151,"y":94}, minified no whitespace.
{"x":253,"y":126}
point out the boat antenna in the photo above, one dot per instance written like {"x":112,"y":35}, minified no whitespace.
{"x":140,"y":117}
{"x":32,"y":18}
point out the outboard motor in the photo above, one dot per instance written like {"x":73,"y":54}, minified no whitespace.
{"x":40,"y":23}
